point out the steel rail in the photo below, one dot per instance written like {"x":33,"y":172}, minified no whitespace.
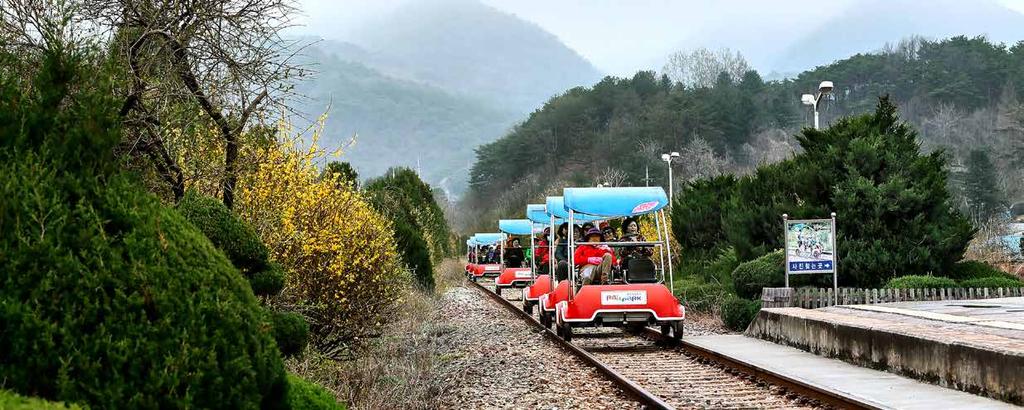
{"x":801,"y":387}
{"x":636,"y":391}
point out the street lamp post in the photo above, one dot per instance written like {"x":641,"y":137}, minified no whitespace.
{"x":815,"y":100}
{"x":668,"y":158}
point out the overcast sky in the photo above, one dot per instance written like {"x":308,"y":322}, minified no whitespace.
{"x":619,"y":36}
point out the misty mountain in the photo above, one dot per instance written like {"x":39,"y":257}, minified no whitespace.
{"x":867,"y":25}
{"x":469,"y":48}
{"x":396,"y":122}
{"x":431,"y":81}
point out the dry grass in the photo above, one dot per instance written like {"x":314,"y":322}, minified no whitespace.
{"x":986,"y":246}
{"x":400,"y":370}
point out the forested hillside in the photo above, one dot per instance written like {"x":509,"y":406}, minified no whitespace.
{"x":395,"y":121}
{"x":959,"y":92}
{"x":424,"y":85}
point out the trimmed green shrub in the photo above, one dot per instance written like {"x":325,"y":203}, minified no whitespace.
{"x":248,"y":253}
{"x":768,"y":271}
{"x":991,"y":282}
{"x":920,"y":282}
{"x":420,"y":229}
{"x":268,"y":282}
{"x":722,"y":267}
{"x":107,"y":297}
{"x":737,"y":313}
{"x":291,"y":332}
{"x":117,"y":301}
{"x":227,"y":232}
{"x":12,"y":401}
{"x":700,"y":295}
{"x":415,"y":253}
{"x":966,"y":270}
{"x":303,"y":395}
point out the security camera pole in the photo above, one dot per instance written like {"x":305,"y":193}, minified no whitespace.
{"x":814,"y":100}
{"x":668,"y":159}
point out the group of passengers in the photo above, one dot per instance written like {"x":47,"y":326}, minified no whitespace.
{"x":598,"y":263}
{"x":487,"y":255}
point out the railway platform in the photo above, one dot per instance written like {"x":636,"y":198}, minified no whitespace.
{"x":972,"y":345}
{"x":866,"y":387}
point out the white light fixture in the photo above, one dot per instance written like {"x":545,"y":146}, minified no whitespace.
{"x":825,"y":87}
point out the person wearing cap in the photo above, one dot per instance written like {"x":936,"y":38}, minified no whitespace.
{"x":631,"y":233}
{"x":514,"y":256}
{"x":595,"y":261}
{"x":608,"y":231}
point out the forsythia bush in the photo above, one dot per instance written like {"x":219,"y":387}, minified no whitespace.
{"x":343,"y":270}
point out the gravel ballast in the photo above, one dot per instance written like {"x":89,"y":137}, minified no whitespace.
{"x":500,"y":361}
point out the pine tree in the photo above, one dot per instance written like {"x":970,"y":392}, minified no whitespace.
{"x":984,"y":197}
{"x":894,"y":212}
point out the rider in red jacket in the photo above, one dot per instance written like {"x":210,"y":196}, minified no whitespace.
{"x":542,"y":248}
{"x":595,"y":261}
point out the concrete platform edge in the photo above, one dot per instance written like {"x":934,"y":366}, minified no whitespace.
{"x":951,"y":365}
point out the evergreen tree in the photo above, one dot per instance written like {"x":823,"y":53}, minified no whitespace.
{"x":984,"y":198}
{"x":697,"y":216}
{"x":421,"y":232}
{"x":894,"y":212}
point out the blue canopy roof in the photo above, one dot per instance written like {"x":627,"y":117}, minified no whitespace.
{"x":487,"y":238}
{"x":555,"y":206}
{"x":516,"y":226}
{"x":615,"y":202}
{"x":536,"y":213}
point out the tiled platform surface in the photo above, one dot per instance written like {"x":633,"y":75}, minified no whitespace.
{"x":974,"y":345}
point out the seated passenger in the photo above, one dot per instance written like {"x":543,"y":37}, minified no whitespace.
{"x":562,"y":252}
{"x":595,"y":261}
{"x":514,"y":256}
{"x":541,"y":256}
{"x":631,"y":233}
{"x":609,"y":232}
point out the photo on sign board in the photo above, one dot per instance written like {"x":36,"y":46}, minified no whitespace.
{"x":810,"y":246}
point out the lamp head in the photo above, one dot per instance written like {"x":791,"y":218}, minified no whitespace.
{"x":825,"y":87}
{"x":807,"y":99}
{"x":675,"y":154}
{"x":665,"y":157}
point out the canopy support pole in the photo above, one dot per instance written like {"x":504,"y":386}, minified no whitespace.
{"x":551,"y":255}
{"x":668,"y":249}
{"x":661,"y":247}
{"x":533,"y":255}
{"x":571,"y":254}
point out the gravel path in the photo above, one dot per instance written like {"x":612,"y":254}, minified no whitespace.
{"x":502,"y":362}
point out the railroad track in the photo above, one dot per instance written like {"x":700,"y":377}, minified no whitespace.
{"x":663,"y":375}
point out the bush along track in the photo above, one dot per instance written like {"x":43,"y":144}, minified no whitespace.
{"x":109,"y":298}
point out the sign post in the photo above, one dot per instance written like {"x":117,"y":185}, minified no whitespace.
{"x":810,"y":246}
